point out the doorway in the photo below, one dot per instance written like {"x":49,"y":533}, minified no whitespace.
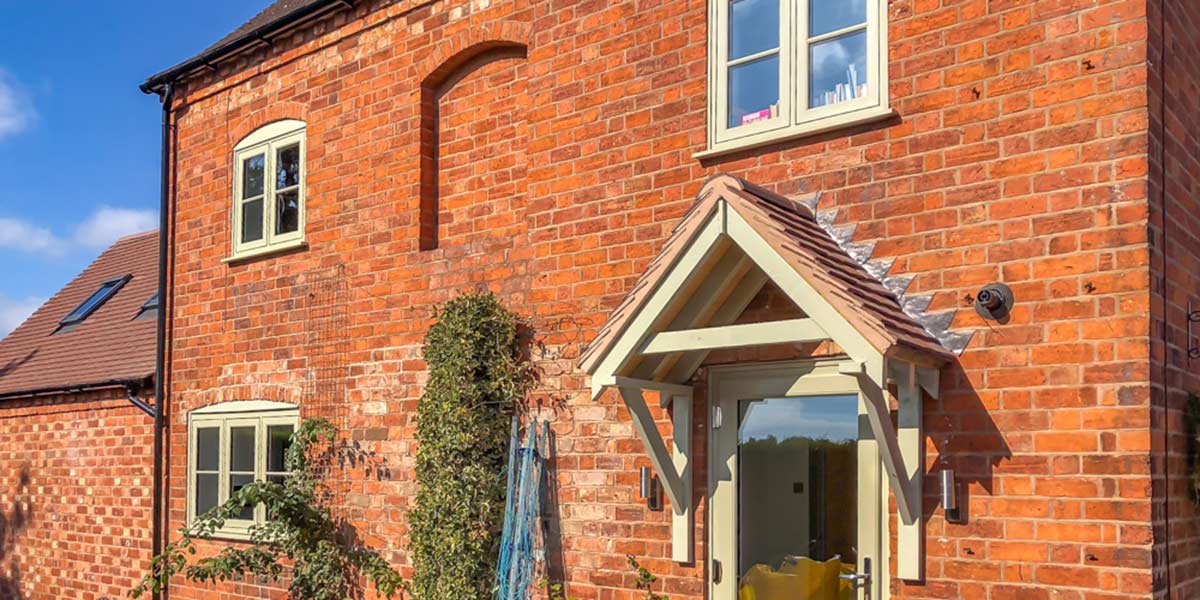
{"x":796,"y":489}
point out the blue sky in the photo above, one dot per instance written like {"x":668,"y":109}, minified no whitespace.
{"x":78,"y":141}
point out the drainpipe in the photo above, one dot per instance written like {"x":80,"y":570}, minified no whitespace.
{"x":131,"y":392}
{"x":166,"y":95}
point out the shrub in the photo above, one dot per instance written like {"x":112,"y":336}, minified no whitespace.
{"x":326,"y":563}
{"x":476,"y":375}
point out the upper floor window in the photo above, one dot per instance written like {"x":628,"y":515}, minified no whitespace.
{"x":231,"y":445}
{"x":785,"y":68}
{"x":268,"y":189}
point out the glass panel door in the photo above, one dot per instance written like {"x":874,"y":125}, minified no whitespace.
{"x":797,"y":495}
{"x":796,"y":489}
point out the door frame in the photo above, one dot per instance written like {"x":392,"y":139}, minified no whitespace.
{"x":727,"y":384}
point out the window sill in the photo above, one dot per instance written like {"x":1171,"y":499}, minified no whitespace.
{"x":265,"y":251}
{"x":226,"y":535}
{"x":841,"y":121}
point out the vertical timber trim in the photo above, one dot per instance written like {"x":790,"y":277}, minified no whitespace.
{"x":910,"y":537}
{"x":682,"y":523}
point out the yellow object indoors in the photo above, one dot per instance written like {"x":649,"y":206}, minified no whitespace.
{"x":801,"y":579}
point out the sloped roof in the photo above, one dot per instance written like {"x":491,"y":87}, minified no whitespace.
{"x":108,"y":346}
{"x":275,"y":17}
{"x":793,"y":231}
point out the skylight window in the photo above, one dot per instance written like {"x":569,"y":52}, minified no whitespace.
{"x":93,"y":302}
{"x":149,"y":309}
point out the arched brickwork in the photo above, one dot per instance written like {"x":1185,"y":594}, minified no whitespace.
{"x":455,"y":57}
{"x":276,"y":111}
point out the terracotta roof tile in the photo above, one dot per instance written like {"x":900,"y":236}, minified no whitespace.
{"x":791,"y":228}
{"x":109,"y":345}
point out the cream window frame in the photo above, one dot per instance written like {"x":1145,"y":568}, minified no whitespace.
{"x":727,"y":385}
{"x":268,"y":140}
{"x":260,"y":415}
{"x":795,"y":119}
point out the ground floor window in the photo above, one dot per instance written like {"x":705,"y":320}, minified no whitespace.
{"x":231,"y":445}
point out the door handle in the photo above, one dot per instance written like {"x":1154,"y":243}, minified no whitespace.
{"x":857,"y":580}
{"x":860,"y":580}
{"x":716,"y":571}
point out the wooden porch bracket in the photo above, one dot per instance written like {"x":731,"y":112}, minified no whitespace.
{"x":673,"y":470}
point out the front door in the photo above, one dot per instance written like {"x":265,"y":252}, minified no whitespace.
{"x":796,"y":504}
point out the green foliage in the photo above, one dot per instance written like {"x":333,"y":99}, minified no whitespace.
{"x":645,"y":579}
{"x":326,"y":563}
{"x":554,"y":591}
{"x":476,"y":374}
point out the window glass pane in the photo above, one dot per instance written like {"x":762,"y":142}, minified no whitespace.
{"x":237,"y":482}
{"x":838,"y":70}
{"x":252,"y":175}
{"x":797,"y":488}
{"x":208,"y":448}
{"x":287,"y":167}
{"x":287,"y":212}
{"x":252,"y":221}
{"x":241,"y":449}
{"x":831,"y":15}
{"x":279,"y":437}
{"x":106,"y":289}
{"x":206,"y":492}
{"x":754,"y":91}
{"x":753,"y":27}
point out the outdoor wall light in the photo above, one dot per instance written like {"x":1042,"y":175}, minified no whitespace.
{"x":950,"y":496}
{"x":651,"y":489}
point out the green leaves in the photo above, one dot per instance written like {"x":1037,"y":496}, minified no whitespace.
{"x":645,"y":579}
{"x":326,"y":562}
{"x":476,"y":373}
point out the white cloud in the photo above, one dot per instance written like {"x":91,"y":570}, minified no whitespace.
{"x":107,"y":224}
{"x":97,"y":232}
{"x":16,"y":106}
{"x":14,"y":312}
{"x":24,"y":236}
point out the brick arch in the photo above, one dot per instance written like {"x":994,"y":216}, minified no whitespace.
{"x":274,"y":111}
{"x":459,"y":48}
{"x":454,"y":56}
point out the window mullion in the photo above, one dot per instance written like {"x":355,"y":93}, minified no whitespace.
{"x":223,"y":465}
{"x":269,"y":192}
{"x":260,"y":463}
{"x":800,"y":54}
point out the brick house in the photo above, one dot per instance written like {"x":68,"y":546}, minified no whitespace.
{"x":751,"y":237}
{"x":75,"y":460}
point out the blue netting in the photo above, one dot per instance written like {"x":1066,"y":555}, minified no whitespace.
{"x":521,"y":545}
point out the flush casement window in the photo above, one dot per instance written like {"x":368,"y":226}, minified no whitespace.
{"x":268,"y":189}
{"x":231,"y":445}
{"x":786,"y":68}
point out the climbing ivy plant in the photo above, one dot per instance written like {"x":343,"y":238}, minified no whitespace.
{"x":477,"y":373}
{"x":321,"y":555}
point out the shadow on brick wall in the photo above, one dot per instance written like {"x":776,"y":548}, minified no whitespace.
{"x":12,"y":521}
{"x":552,"y":521}
{"x":967,"y":439}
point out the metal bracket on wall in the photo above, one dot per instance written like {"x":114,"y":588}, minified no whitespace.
{"x":1193,"y":348}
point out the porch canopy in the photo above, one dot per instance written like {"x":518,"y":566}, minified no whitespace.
{"x":735,"y":239}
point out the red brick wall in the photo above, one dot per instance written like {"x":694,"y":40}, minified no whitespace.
{"x":1019,"y":154}
{"x":75,"y":508}
{"x":1174,"y":131}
